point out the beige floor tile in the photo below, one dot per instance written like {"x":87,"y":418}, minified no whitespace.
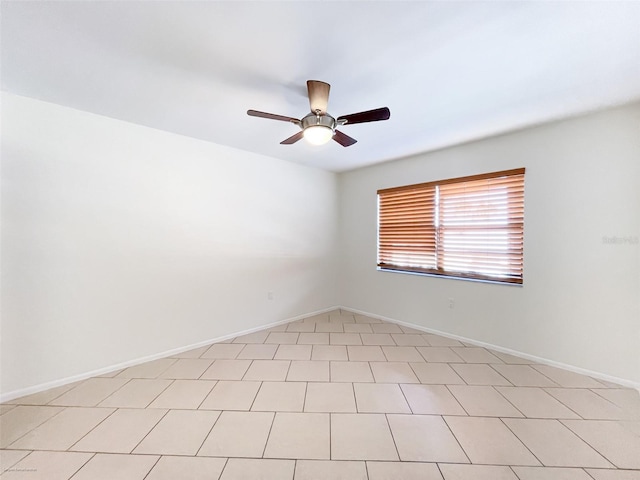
{"x":193,"y":353}
{"x":361,"y":436}
{"x":313,"y":339}
{"x":180,"y":432}
{"x":342,"y":317}
{"x":256,"y":337}
{"x":565,"y":378}
{"x":308,"y":371}
{"x":90,"y":392}
{"x":329,"y":328}
{"x":258,"y":469}
{"x":227,"y":351}
{"x":192,"y":468}
{"x":299,"y":435}
{"x":8,"y":458}
{"x":357,"y":328}
{"x":301,"y":327}
{"x":483,"y":401}
{"x":551,"y":473}
{"x":403,"y":470}
{"x":440,"y":341}
{"x":631,"y":426}
{"x":4,"y":408}
{"x":512,"y":359}
{"x":380,"y":398}
{"x":293,"y":352}
{"x":476,"y":472}
{"x":439,"y":355}
{"x":628,"y":399}
{"x":258,"y":351}
{"x":147,"y":369}
{"x":238,"y":434}
{"x":231,"y":395}
{"x":475,"y":355}
{"x":121,"y":467}
{"x":121,"y":432}
{"x":21,"y":420}
{"x":409,"y":340}
{"x":345,"y":339}
{"x":280,"y":397}
{"x":534,"y":402}
{"x":479,"y":374}
{"x":111,"y":374}
{"x":425,"y":438}
{"x":393,"y":372}
{"x":436,"y":374}
{"x":377,"y":339}
{"x":329,"y":352}
{"x":524,"y":376}
{"x":136,"y":393}
{"x":330,"y":397}
{"x":618,"y":444}
{"x":226,"y":370}
{"x":47,"y":466}
{"x":360,"y":353}
{"x":42,"y":398}
{"x":282,"y":338}
{"x":63,"y":430}
{"x":187,"y":368}
{"x":351,"y":372}
{"x":614,"y":474}
{"x":366,"y":319}
{"x":431,"y":400}
{"x":278,"y":328}
{"x":411,"y":330}
{"x":554,"y":444}
{"x":402,"y":354}
{"x":489,"y":441}
{"x":587,"y":404}
{"x":183,"y":394}
{"x":330,"y":470}
{"x":319,"y":318}
{"x":268,"y":370}
{"x":386,"y":328}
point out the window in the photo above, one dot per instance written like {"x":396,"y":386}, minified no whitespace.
{"x":471,"y":227}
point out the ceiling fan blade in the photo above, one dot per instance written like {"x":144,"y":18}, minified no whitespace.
{"x":318,"y":96}
{"x":293,"y":138}
{"x":272,"y":116}
{"x":342,"y":139}
{"x":368,"y":116}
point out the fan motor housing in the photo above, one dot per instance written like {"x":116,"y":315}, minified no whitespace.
{"x":312,"y":119}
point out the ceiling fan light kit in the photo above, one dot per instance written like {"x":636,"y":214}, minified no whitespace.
{"x":318,"y":127}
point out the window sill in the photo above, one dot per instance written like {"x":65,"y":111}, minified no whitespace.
{"x":450,"y":277}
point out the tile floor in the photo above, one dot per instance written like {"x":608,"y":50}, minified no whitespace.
{"x":334,"y":396}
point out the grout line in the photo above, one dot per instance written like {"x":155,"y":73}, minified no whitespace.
{"x":154,"y":466}
{"x":215,"y":422}
{"x":456,"y":438}
{"x":273,"y":420}
{"x":393,"y":438}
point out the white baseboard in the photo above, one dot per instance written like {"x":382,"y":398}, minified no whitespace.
{"x":497,"y":348}
{"x":6,"y":397}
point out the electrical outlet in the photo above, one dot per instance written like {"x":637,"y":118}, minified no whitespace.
{"x":452,"y":303}
{"x":269,"y":295}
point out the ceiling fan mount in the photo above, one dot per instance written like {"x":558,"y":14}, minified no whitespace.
{"x":318,"y":127}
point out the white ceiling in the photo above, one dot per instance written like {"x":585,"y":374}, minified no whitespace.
{"x":449,"y":71}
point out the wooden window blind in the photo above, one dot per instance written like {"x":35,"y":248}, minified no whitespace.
{"x":471,"y":227}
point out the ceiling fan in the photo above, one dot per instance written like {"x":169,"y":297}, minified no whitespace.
{"x":318,"y":127}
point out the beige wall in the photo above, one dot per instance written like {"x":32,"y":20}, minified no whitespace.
{"x":580,"y":303}
{"x":120,"y":242}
